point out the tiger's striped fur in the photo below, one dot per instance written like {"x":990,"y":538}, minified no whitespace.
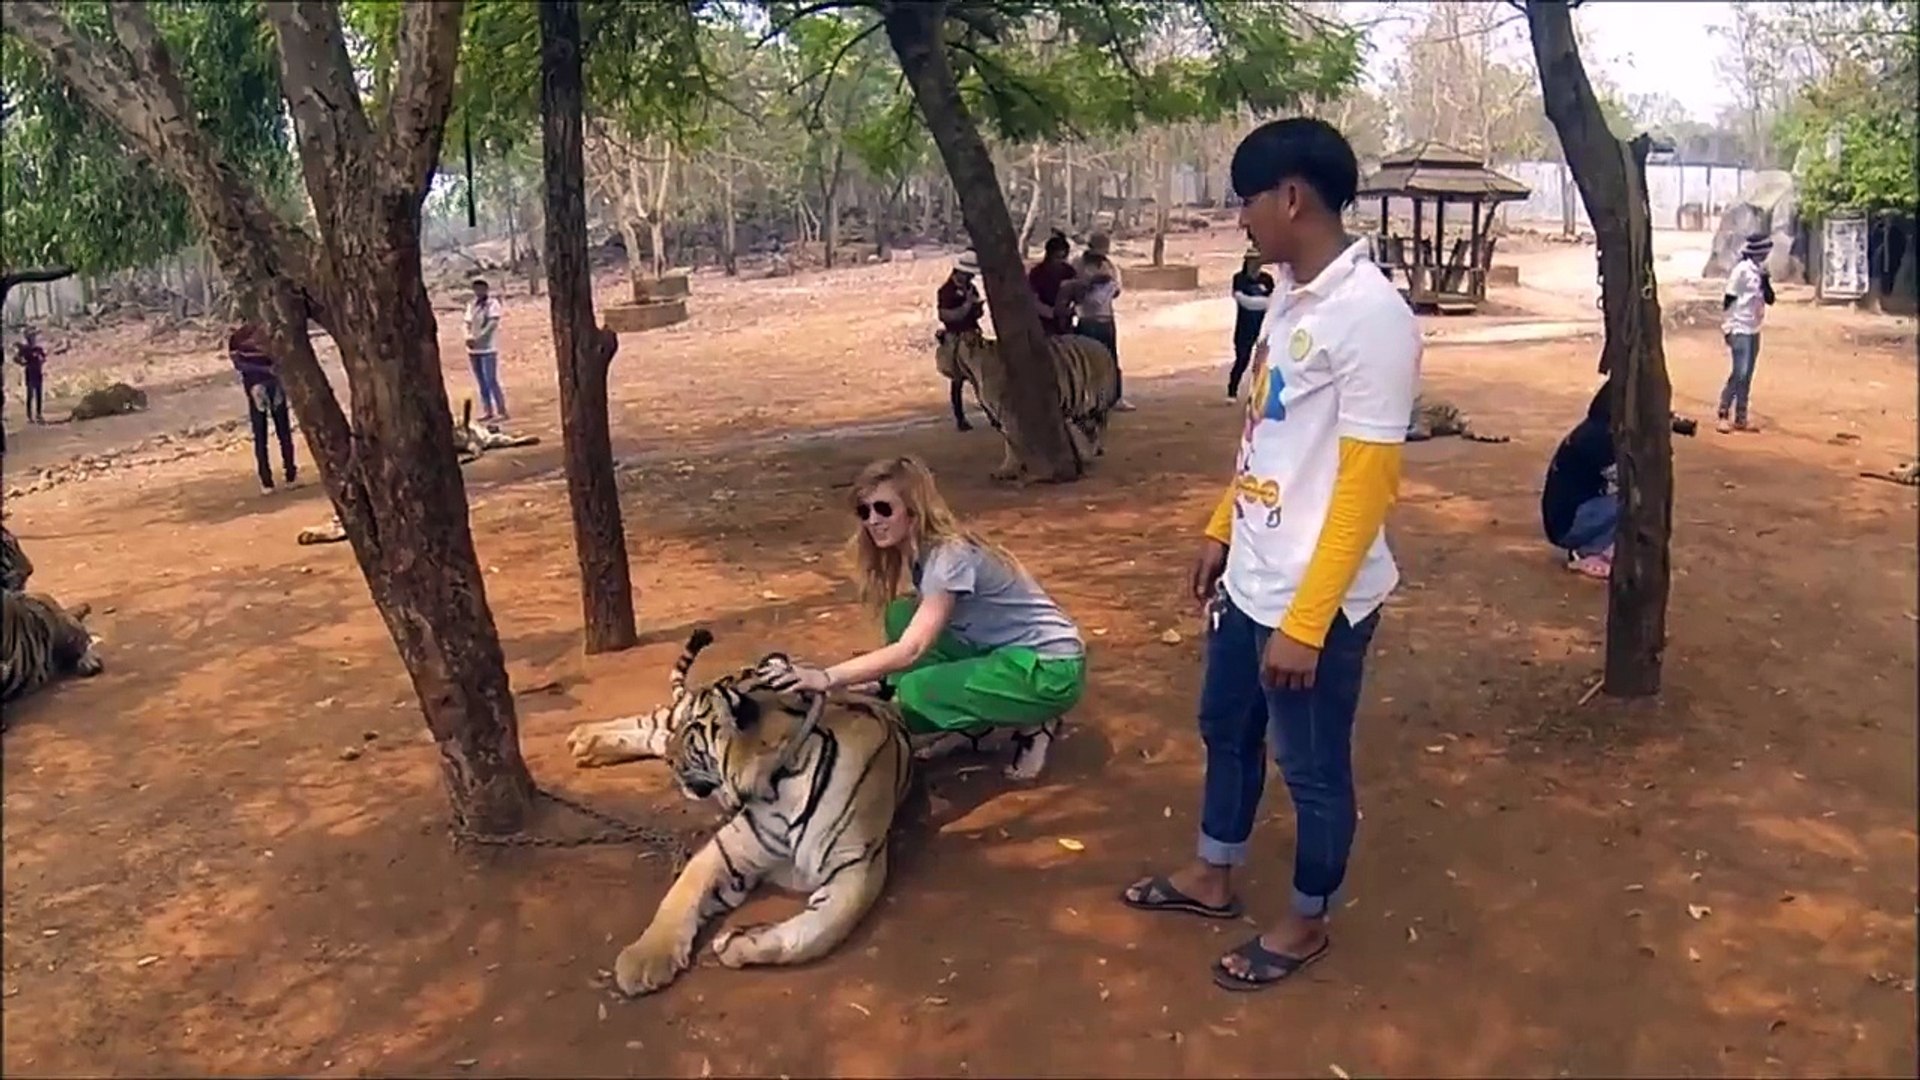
{"x":642,"y":736}
{"x":1088,"y":375}
{"x":813,"y":784}
{"x":43,"y":641}
{"x":471,"y":441}
{"x":1436,"y":419}
{"x":15,"y":567}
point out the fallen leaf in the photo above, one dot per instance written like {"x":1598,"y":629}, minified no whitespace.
{"x":1634,"y":913}
{"x":1170,"y":636}
{"x":1437,"y":748}
{"x":146,"y":961}
{"x":1412,"y":935}
{"x":1071,"y":844}
{"x":603,"y":1011}
{"x":936,"y":1000}
{"x":1775,"y":1025}
{"x":769,"y":594}
{"x":1699,"y":911}
{"x":466,"y":1063}
{"x":1339,"y":1072}
{"x":859,"y":1008}
{"x":1636,"y":887}
{"x":1693,"y":954}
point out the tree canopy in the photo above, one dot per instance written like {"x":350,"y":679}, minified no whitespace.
{"x":77,"y":194}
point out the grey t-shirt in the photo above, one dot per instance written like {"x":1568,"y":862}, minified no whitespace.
{"x":994,"y":605}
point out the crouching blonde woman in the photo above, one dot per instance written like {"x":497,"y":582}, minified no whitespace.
{"x":975,"y":647}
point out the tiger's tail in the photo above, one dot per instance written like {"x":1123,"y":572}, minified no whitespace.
{"x":696,"y":641}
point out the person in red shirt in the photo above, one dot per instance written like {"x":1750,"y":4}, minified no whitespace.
{"x":266,"y":400}
{"x":1046,"y":279}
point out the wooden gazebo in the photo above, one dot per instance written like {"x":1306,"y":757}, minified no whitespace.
{"x":1436,"y":278}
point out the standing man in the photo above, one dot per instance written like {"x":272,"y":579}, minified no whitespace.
{"x":1093,"y":291}
{"x":483,"y":351}
{"x":1749,"y":291}
{"x":960,"y":306}
{"x":1252,"y":291}
{"x":266,"y":400}
{"x":1045,"y":279}
{"x":32,"y":358}
{"x":1299,"y":537}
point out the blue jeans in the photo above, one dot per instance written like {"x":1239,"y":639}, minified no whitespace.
{"x":1746,"y":353}
{"x":486,"y":372}
{"x":1594,"y":524}
{"x":1312,"y":734}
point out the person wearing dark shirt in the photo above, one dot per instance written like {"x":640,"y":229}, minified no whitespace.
{"x":1252,"y":292}
{"x":1579,"y":510}
{"x":266,"y":400}
{"x":1046,"y":278}
{"x":32,"y":357}
{"x":960,"y":307}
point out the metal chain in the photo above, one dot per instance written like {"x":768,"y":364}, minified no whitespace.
{"x":617,"y":831}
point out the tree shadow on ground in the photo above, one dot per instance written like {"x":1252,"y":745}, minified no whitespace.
{"x":1518,"y":903}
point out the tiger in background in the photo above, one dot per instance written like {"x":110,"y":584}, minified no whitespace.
{"x":43,"y":641}
{"x":15,"y":567}
{"x":1434,"y":419}
{"x":1088,"y":375}
{"x":470,"y":443}
{"x":814,"y":783}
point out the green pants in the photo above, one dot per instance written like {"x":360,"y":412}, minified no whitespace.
{"x":957,"y":685}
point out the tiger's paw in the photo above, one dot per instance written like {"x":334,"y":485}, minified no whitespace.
{"x":738,"y":947}
{"x":650,"y":964}
{"x":609,"y":742}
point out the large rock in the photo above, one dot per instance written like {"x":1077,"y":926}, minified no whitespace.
{"x":1769,"y":204}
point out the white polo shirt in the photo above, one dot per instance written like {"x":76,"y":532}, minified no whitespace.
{"x":1337,"y":357}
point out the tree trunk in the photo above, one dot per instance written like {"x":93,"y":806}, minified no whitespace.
{"x":1033,"y":204}
{"x":830,"y":213}
{"x":729,"y":241}
{"x":1612,"y":181}
{"x":1032,"y":421}
{"x":31,"y":276}
{"x":637,"y":263}
{"x":1066,"y":169}
{"x":1162,"y":197}
{"x":582,"y":348}
{"x":391,"y":475}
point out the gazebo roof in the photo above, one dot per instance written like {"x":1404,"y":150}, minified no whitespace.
{"x":1432,"y":170}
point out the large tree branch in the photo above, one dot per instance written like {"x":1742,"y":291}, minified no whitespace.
{"x":317,"y":79}
{"x":416,"y":121}
{"x":131,"y":83}
{"x":31,"y":276}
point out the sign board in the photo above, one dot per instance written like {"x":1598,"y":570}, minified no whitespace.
{"x":1843,"y":258}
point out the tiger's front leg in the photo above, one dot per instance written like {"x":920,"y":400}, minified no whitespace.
{"x":717,"y":880}
{"x":620,"y":740}
{"x":1009,"y":465}
{"x":832,"y":911}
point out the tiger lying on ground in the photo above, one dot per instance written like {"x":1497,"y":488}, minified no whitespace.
{"x":1089,"y":381}
{"x":15,"y":567}
{"x":470,"y":442}
{"x":43,"y":641}
{"x":813,"y":782}
{"x":1434,"y":419}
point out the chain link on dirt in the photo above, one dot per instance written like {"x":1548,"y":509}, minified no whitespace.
{"x":653,"y":838}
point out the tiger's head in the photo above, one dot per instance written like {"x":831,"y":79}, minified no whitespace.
{"x":731,"y":737}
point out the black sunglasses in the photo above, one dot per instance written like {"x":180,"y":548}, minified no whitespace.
{"x":879,"y":507}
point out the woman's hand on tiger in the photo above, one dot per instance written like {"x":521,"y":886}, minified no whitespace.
{"x":1208,"y":565}
{"x":804,"y":678}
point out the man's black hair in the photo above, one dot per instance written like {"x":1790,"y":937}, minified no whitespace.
{"x":1301,"y":148}
{"x":1058,"y":242}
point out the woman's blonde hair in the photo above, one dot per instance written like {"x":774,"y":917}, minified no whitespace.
{"x":886,"y":574}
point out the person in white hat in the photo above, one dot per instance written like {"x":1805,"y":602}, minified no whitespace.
{"x":960,"y":306}
{"x":1749,"y":291}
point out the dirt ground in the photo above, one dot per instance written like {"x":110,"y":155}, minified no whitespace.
{"x":199,"y":880}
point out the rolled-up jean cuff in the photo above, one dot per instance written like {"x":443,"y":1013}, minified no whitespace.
{"x":1220,"y":853}
{"x":1314,"y":907}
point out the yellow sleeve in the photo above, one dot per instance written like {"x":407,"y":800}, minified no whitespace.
{"x":1363,"y":491}
{"x":1220,"y":525}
